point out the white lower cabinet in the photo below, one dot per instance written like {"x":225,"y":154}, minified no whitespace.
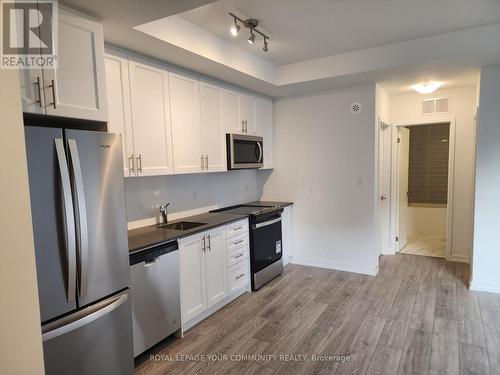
{"x":210,"y":275}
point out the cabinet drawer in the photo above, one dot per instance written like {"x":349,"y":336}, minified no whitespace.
{"x":236,"y":228}
{"x":238,"y":276}
{"x":236,"y":242}
{"x":237,"y":256}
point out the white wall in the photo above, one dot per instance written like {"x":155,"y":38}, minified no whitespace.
{"x":486,"y":254}
{"x":20,"y":333}
{"x":427,"y":221}
{"x":407,"y":109}
{"x":322,"y":152}
{"x":190,"y":193}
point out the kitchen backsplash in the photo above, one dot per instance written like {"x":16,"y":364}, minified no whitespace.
{"x":190,"y":192}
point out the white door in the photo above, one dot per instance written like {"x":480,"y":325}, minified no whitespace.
{"x":403,"y":165}
{"x":192,"y":276}
{"x":119,"y":114}
{"x":186,"y":123}
{"x":152,"y":142}
{"x":231,"y":112}
{"x":265,"y":128}
{"x":247,"y":113}
{"x":384,"y":188}
{"x":215,"y":264}
{"x":214,"y":139}
{"x":77,"y":87}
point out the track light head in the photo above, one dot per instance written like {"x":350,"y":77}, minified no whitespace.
{"x":266,"y":45}
{"x":252,"y":37}
{"x":235,"y":28}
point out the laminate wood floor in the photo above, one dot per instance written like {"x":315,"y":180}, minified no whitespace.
{"x":416,"y":316}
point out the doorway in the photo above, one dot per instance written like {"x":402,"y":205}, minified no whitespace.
{"x":424,"y":188}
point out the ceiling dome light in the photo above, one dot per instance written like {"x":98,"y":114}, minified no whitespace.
{"x":426,"y":87}
{"x":252,"y":37}
{"x":235,"y":29}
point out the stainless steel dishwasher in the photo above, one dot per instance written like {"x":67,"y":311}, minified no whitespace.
{"x":156,"y":310}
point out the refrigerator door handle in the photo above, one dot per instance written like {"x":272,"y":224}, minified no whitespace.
{"x":69,"y":219}
{"x":83,"y":237}
{"x":82,"y":318}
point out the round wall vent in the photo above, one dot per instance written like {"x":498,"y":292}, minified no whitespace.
{"x":356,"y":107}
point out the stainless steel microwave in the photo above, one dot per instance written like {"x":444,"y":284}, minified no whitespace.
{"x":244,"y":151}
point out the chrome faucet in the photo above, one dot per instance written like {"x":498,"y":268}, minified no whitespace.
{"x":163,"y":211}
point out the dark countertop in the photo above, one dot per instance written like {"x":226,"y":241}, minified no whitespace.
{"x":142,"y":238}
{"x":145,"y":237}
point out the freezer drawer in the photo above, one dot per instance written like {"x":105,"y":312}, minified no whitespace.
{"x":94,"y":340}
{"x":156,"y":296}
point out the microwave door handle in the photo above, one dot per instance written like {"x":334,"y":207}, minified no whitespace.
{"x":83,"y":238}
{"x":260,"y":152}
{"x":69,"y":219}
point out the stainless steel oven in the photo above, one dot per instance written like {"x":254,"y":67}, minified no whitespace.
{"x":244,"y":151}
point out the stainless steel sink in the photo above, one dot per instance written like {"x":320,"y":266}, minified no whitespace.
{"x":181,"y":225}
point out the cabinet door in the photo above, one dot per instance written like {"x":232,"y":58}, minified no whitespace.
{"x":231,"y":112}
{"x":214,"y":139}
{"x":215,"y":263}
{"x":77,"y":87}
{"x":186,"y":124}
{"x":286,"y":228}
{"x":247,"y":113}
{"x":265,"y":128}
{"x":150,"y":118}
{"x":118,"y":98}
{"x":192,"y":277}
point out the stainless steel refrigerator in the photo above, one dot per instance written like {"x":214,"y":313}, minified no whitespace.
{"x":80,"y":231}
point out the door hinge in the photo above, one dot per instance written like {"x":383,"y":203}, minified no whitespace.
{"x":399,"y":140}
{"x":397,"y":238}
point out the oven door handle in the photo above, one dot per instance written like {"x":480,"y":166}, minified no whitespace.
{"x":266,"y":223}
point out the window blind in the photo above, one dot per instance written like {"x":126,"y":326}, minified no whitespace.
{"x":428,"y":169}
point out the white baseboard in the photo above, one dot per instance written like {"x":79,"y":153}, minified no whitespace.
{"x":485,"y":287}
{"x":335,"y":266}
{"x":458,"y":258}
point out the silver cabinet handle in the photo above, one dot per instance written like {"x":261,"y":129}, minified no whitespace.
{"x":82,"y":233}
{"x":131,"y":161}
{"x":266,"y":223}
{"x":260,"y":152}
{"x":243,"y":126}
{"x":139,"y":163}
{"x":82,"y":318}
{"x":206,"y":162}
{"x":69,"y":220}
{"x":240,"y":276}
{"x":202,"y":163}
{"x":235,"y":229}
{"x":53,"y":86}
{"x":246,"y":127}
{"x":238,"y":242}
{"x":239,"y":255}
{"x":204,"y":248}
{"x":39,"y":89}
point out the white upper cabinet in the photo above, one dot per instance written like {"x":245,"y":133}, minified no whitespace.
{"x":186,"y":123}
{"x":247,"y":113}
{"x":119,"y":114}
{"x":152,"y":141}
{"x":214,"y":137}
{"x":215,"y":265}
{"x":238,"y":113}
{"x":265,"y":128}
{"x":77,"y":87}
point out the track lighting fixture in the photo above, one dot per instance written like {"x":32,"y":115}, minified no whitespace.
{"x":252,"y":37}
{"x":252,"y":25}
{"x":235,"y":29}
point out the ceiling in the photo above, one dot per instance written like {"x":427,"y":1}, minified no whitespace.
{"x":315,"y":44}
{"x":304,"y":30}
